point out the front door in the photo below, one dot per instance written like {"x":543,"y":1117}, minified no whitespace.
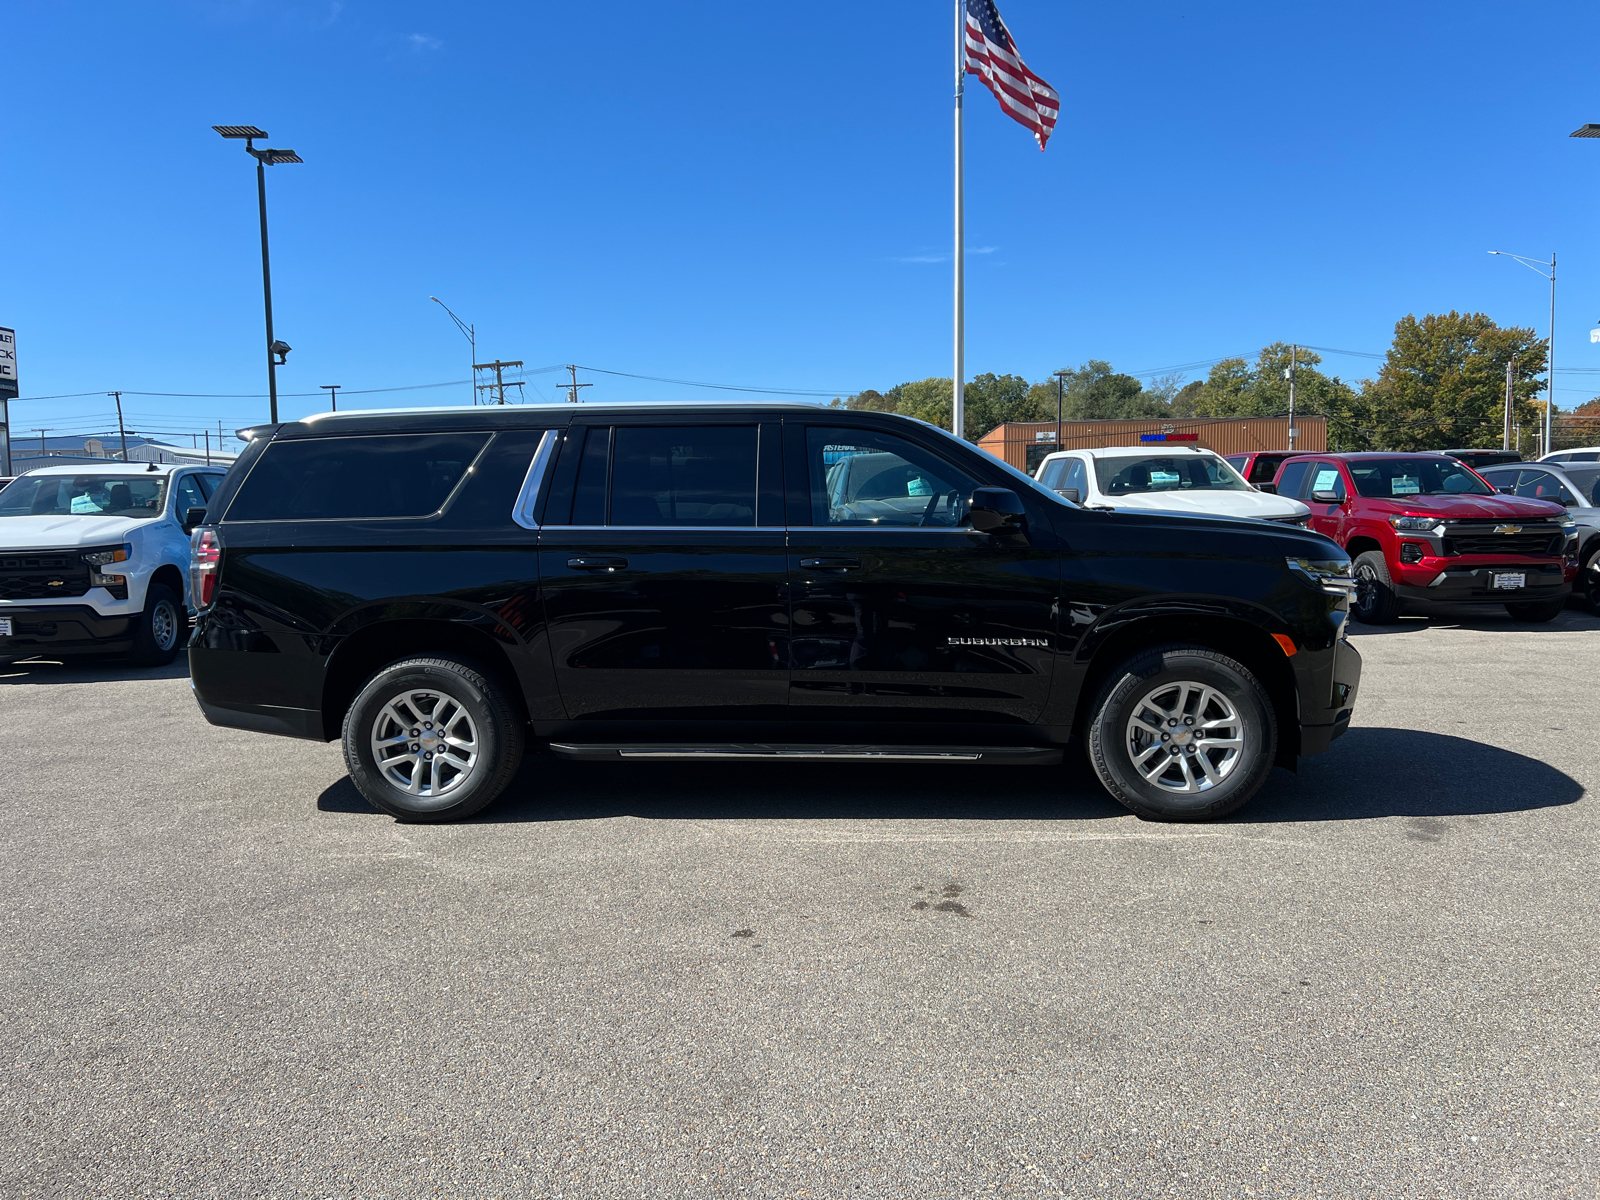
{"x":1326,"y":518}
{"x":665,"y":594}
{"x":899,"y":612}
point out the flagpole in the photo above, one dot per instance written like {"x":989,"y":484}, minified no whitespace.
{"x":957,"y":406}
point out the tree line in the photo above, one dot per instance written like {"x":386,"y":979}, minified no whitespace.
{"x":1441,"y":386}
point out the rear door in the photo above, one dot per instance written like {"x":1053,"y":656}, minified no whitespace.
{"x":899,"y":611}
{"x":662,"y":557}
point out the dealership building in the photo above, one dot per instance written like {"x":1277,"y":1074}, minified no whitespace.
{"x":1024,"y":444}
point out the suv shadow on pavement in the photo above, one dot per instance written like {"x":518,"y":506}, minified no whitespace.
{"x":1369,"y":773}
{"x":89,"y":670}
{"x":1575,"y":619}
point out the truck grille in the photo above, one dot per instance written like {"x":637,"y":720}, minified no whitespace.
{"x":1532,"y":540}
{"x":42,"y":574}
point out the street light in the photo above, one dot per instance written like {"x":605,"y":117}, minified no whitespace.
{"x":277,"y":352}
{"x":469,"y":332}
{"x":1533,"y":264}
{"x":333,"y":393}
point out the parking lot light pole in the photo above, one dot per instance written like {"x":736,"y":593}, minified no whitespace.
{"x":1533,"y":264}
{"x":470,"y":332}
{"x":276,"y":351}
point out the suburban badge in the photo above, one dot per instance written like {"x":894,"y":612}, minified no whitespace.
{"x":996,"y":641}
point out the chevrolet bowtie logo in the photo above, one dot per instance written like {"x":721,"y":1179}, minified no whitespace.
{"x":56,"y":583}
{"x":1508,"y":528}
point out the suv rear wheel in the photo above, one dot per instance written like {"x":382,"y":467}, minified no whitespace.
{"x":432,"y":739}
{"x":1375,"y":602}
{"x":1182,"y":733}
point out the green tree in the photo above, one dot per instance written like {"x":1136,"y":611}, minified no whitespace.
{"x":1237,"y":388}
{"x":1443,"y":383}
{"x":1094,"y":392}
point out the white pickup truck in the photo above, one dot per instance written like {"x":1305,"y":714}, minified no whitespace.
{"x":94,"y":559}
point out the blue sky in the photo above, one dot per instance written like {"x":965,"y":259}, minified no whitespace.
{"x":759,"y":193}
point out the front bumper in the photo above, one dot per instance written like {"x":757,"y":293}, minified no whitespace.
{"x":1475,"y":585}
{"x":63,"y":629}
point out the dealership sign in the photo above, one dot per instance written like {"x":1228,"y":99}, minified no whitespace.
{"x":8,"y":364}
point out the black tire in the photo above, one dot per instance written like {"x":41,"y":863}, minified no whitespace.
{"x":1375,"y":601}
{"x":1589,"y":584}
{"x":1126,"y":696}
{"x":420,"y":689}
{"x":161,"y":630}
{"x":1537,"y":612}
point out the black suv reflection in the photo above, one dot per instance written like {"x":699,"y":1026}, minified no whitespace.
{"x":765,"y":582}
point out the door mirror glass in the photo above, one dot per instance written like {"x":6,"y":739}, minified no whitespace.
{"x":998,"y":511}
{"x":193,"y":517}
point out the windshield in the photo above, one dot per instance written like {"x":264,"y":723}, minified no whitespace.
{"x":84,"y":496}
{"x":1392,"y":478}
{"x":1167,"y":473}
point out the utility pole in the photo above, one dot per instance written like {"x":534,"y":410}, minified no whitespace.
{"x":123,"y":433}
{"x":1505,"y":441}
{"x":498,"y":387}
{"x":1061,"y":389}
{"x":208,"y":447}
{"x":333,"y":393}
{"x":1294,"y":366}
{"x":575,"y":385}
{"x":43,"y":453}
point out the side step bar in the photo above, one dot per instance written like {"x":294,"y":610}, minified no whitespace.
{"x":993,"y":755}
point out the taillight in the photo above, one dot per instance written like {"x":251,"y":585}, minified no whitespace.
{"x":205,"y":552}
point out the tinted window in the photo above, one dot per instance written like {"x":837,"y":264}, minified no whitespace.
{"x":1397,"y":478}
{"x":1541,"y":485}
{"x":589,"y":499}
{"x":861,"y":477}
{"x":1587,"y":480}
{"x":208,"y":483}
{"x":188,"y":496}
{"x":389,"y":475}
{"x":1292,"y":479}
{"x":683,"y":475}
{"x":1264,"y":467}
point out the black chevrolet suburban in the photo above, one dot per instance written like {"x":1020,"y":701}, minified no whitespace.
{"x":726,"y":582}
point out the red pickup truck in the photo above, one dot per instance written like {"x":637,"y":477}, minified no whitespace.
{"x":1425,"y":529}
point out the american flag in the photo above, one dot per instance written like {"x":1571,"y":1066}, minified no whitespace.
{"x":992,"y":56}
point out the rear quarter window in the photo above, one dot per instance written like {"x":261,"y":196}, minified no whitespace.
{"x":344,"y":478}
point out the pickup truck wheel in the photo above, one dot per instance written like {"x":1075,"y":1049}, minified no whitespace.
{"x":1537,"y":613}
{"x":1182,"y":733}
{"x":432,"y":739}
{"x":160,"y":629}
{"x":1375,"y":602}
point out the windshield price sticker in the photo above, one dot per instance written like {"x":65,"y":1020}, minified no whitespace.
{"x":1508,"y":581}
{"x":5,"y":626}
{"x":1404,"y":485}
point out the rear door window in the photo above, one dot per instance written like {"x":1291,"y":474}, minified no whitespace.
{"x":679,"y":475}
{"x":1541,"y":485}
{"x":345,"y":478}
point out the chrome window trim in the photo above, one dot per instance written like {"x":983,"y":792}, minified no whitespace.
{"x":882,"y":529}
{"x":672,"y":528}
{"x":524,"y":511}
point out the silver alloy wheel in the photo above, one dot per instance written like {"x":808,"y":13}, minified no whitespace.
{"x":164,"y":625}
{"x":1185,"y":737}
{"x":424,"y":743}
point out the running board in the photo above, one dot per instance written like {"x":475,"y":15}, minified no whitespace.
{"x":993,"y":755}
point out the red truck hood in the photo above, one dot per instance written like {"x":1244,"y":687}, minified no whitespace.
{"x":1494,"y":507}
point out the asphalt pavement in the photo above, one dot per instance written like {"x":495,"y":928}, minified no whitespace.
{"x":223,"y":974}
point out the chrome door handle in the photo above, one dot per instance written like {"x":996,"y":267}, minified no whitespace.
{"x":598,"y":564}
{"x":831,"y":564}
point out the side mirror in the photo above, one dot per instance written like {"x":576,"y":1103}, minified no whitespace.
{"x":1072,"y":494}
{"x":195,"y":516}
{"x":1510,"y":489}
{"x":998,"y":511}
{"x":1270,"y":489}
{"x":1327,"y":497}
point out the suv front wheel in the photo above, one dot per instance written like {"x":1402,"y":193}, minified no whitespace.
{"x":1375,"y":602}
{"x":432,"y":739}
{"x":1182,"y":733}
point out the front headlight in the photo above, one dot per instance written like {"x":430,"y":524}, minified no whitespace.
{"x":1419,"y":524}
{"x":1332,"y":575}
{"x":111,"y":554}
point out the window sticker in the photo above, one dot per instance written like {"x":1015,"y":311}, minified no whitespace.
{"x":1163,"y":479}
{"x":1327,"y":480}
{"x":84,"y":504}
{"x":1404,"y":485}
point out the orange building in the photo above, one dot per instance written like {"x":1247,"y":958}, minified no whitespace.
{"x":1024,"y":444}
